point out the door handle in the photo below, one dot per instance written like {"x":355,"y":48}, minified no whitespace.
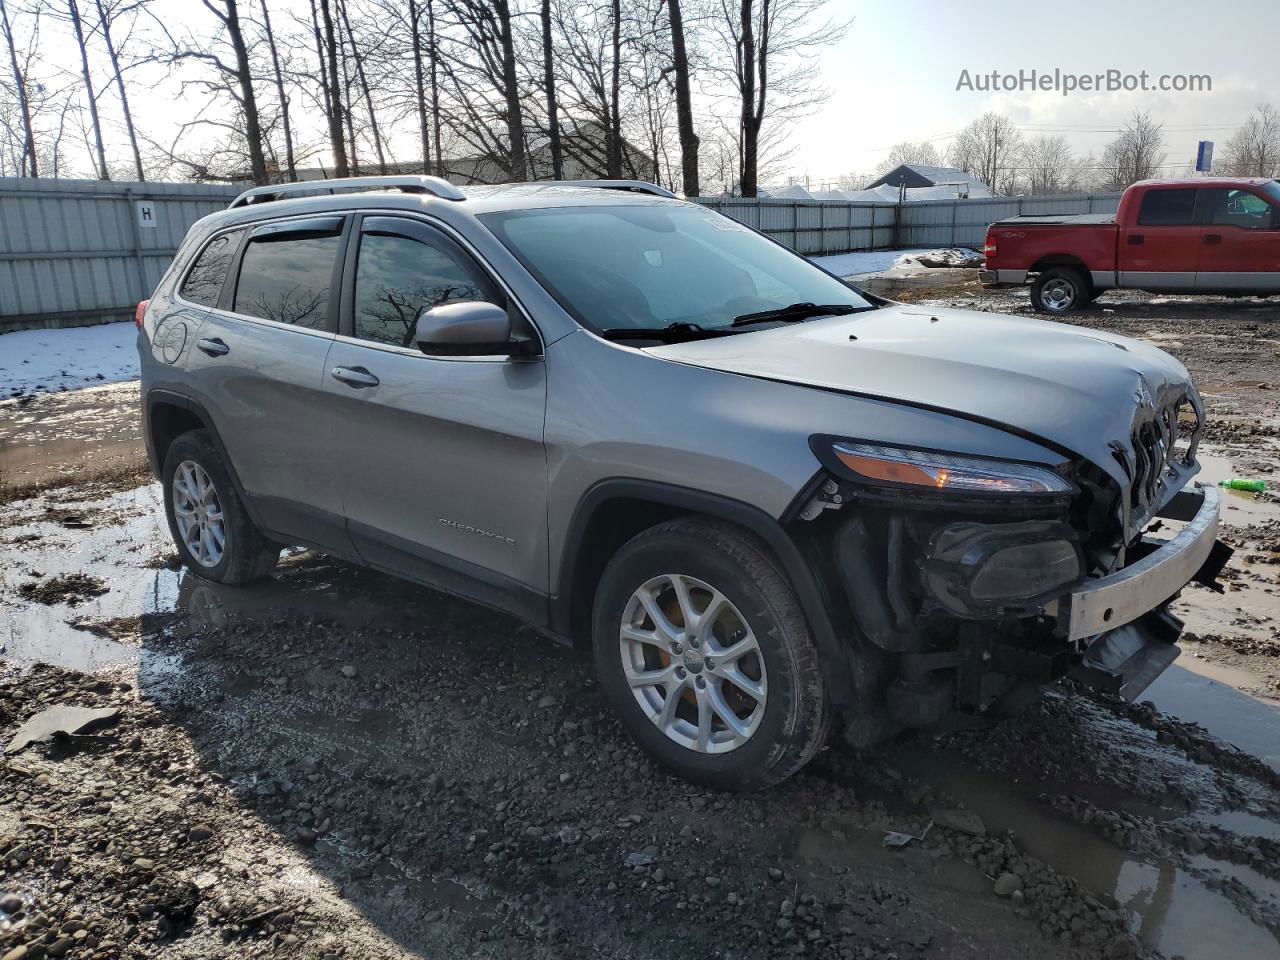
{"x":213,"y":347}
{"x":357,"y":377}
{"x":1212,"y":238}
{"x":1136,"y":239}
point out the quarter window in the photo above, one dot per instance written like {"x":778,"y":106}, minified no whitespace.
{"x":1167,"y":208}
{"x":204,"y":282}
{"x":398,"y":277}
{"x":286,"y":277}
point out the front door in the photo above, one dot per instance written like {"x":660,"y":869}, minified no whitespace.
{"x":258,"y":366}
{"x":1239,"y":242}
{"x":1161,"y":250}
{"x":444,"y":475}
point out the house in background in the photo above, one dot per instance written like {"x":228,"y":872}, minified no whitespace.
{"x":943,"y":183}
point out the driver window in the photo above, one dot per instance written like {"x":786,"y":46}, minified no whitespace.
{"x":398,"y":277}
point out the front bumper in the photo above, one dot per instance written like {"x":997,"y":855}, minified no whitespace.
{"x":1111,"y":602}
{"x":1002,"y":278}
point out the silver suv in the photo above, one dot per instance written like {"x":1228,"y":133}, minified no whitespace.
{"x":769,"y":501}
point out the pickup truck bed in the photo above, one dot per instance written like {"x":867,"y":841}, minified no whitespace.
{"x":1059,"y":220}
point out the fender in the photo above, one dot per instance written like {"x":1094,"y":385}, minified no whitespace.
{"x":833,"y":654}
{"x":194,"y":407}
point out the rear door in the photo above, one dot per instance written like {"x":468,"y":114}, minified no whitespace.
{"x":1239,"y":242}
{"x":1161,"y":250}
{"x":444,"y":475}
{"x":259,"y":369}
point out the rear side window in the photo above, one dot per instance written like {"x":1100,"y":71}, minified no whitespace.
{"x":204,"y":282}
{"x":286,"y":277}
{"x":1168,"y":208}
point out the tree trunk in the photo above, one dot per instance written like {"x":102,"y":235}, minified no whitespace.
{"x":747,"y":84}
{"x":420,"y":83}
{"x":289,"y":167}
{"x":336,"y":141}
{"x":248,"y":102}
{"x":549,"y":82}
{"x":435,"y":87}
{"x":29,"y":165}
{"x":114,"y":54}
{"x":684,"y":102}
{"x":613,"y":144}
{"x":511,"y":90}
{"x":74,"y":10}
{"x":364,"y":87}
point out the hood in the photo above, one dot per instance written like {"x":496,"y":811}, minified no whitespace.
{"x":1080,"y":390}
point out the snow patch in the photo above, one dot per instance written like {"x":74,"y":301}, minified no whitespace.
{"x":47,"y":361}
{"x":878,"y":261}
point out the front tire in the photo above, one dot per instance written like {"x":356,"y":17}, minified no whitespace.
{"x":1059,"y":290}
{"x":210,"y":526}
{"x":704,"y":652}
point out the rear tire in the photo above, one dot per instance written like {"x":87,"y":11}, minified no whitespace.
{"x":210,"y":526}
{"x":696,"y":591}
{"x":1059,"y":290}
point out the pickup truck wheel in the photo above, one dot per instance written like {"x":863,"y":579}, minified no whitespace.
{"x":1059,"y":289}
{"x":211,"y":529}
{"x":703,"y":650}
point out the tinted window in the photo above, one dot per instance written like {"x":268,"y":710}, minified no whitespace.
{"x":1237,"y":208}
{"x":1167,"y":208}
{"x":286,"y":278}
{"x":204,"y":282}
{"x":398,"y":277}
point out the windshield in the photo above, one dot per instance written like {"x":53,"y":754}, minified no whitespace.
{"x":642,"y":267}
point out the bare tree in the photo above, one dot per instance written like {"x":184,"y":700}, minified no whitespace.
{"x":549,"y":86}
{"x":1136,"y":154}
{"x":357,"y":58}
{"x":684,"y":101}
{"x":337,"y":143}
{"x":772,"y":71}
{"x":73,"y":14}
{"x":1048,"y":165}
{"x":1254,"y":149}
{"x":108,"y":12}
{"x":289,"y":165}
{"x":989,"y":149}
{"x":28,"y":165}
{"x":923,"y":152}
{"x":420,"y":84}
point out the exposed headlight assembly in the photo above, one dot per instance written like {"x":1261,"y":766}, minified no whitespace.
{"x":906,"y":468}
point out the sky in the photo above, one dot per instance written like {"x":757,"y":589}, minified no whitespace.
{"x":893,"y":77}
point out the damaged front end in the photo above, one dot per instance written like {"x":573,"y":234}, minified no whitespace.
{"x":968,"y":583}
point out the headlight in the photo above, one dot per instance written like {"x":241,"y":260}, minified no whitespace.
{"x":900,"y":466}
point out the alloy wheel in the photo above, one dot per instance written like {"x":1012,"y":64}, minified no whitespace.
{"x":693,"y":663}
{"x":198,"y":513}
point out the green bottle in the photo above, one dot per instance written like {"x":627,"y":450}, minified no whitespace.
{"x":1240,"y":483}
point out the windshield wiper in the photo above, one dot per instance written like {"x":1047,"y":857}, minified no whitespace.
{"x":797,"y":311}
{"x":678,"y":332}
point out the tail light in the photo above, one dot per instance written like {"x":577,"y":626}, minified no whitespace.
{"x":140,"y":311}
{"x":989,"y":247}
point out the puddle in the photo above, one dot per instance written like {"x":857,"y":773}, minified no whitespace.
{"x":1227,"y":713}
{"x":1238,"y":506}
{"x":1173,"y":911}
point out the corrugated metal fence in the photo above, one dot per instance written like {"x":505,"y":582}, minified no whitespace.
{"x":817,"y":227}
{"x":84,"y":251}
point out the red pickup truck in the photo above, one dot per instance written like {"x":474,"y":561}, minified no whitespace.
{"x":1211,"y":235}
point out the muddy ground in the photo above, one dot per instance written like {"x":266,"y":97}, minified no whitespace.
{"x":336,"y":764}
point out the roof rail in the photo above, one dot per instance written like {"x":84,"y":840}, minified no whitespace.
{"x":435,"y":186}
{"x":636,"y":186}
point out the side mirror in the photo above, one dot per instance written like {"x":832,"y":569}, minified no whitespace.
{"x":466,"y":328}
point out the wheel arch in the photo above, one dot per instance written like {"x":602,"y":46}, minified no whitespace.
{"x":613,"y":511}
{"x":1061,"y":260}
{"x":166,"y":416}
